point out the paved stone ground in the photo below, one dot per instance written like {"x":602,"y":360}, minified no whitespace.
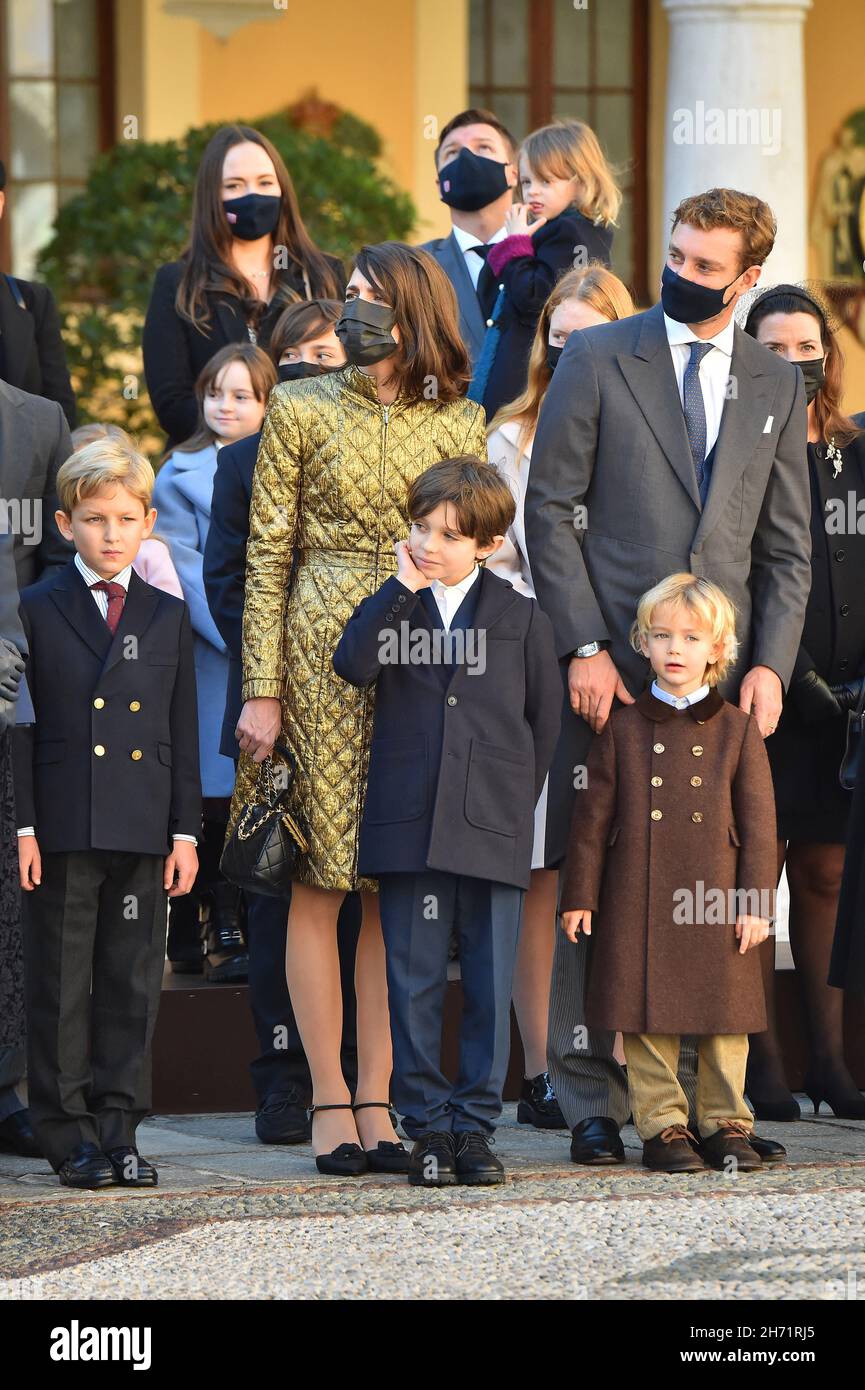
{"x":233,"y":1217}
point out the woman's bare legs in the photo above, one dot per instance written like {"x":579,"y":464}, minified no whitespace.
{"x":534,"y":968}
{"x":312,"y":972}
{"x":374,"y":1051}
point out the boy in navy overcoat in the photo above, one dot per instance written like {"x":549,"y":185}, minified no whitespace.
{"x":466,"y":719}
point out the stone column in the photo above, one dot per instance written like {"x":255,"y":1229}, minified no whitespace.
{"x":735,"y":113}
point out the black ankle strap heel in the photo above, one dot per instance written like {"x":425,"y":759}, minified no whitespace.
{"x":346,"y":1160}
{"x":386,"y":1157}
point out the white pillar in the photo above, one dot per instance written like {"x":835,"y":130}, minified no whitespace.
{"x":735,"y":113}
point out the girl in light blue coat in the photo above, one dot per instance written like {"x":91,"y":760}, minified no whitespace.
{"x":232,"y":393}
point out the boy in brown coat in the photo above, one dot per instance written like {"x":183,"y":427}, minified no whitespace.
{"x":673,"y":848}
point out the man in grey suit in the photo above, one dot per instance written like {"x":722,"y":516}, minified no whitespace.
{"x":669,"y":441}
{"x":34,"y":441}
{"x":476,"y":173}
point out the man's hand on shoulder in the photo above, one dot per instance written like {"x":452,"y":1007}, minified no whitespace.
{"x":593,"y":683}
{"x":762,"y":695}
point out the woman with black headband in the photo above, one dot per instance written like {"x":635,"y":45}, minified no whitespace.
{"x":807,"y":749}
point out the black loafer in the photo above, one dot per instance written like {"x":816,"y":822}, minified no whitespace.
{"x":538,"y":1105}
{"x":432,"y":1161}
{"x":86,"y":1166}
{"x":17,"y":1137}
{"x":597,"y":1141}
{"x":130,"y":1169}
{"x":282,"y":1119}
{"x":475,"y":1164}
{"x":769,"y":1149}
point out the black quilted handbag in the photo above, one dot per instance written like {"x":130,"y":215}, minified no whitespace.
{"x":267,"y":842}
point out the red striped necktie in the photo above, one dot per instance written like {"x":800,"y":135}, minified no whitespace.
{"x":116,"y":598}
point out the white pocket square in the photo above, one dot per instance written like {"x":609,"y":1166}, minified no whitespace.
{"x":770,"y":420}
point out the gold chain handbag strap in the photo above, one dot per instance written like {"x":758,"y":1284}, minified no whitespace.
{"x":247,"y":826}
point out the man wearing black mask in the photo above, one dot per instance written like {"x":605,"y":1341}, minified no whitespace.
{"x":682,"y":441}
{"x":476,"y":173}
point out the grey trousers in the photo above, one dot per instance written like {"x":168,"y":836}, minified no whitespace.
{"x":587,"y":1079}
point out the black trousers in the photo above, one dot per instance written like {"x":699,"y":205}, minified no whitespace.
{"x":94,"y":947}
{"x":281,"y":1063}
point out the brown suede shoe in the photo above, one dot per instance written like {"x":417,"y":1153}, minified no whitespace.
{"x":731,"y":1142}
{"x":672,"y":1151}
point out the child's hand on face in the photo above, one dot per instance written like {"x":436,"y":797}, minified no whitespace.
{"x":517,"y":221}
{"x":407,"y":571}
{"x":575,"y":922}
{"x":751,"y":931}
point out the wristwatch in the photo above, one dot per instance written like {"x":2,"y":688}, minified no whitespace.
{"x":588,"y":649}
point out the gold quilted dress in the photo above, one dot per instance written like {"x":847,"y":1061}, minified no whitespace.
{"x":331,"y":478}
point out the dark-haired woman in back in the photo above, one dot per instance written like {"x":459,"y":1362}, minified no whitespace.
{"x":248,"y":257}
{"x":807,"y":748}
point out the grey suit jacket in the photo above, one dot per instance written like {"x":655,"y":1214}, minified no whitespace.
{"x":612,"y":438}
{"x":447,"y":252}
{"x":34,"y":441}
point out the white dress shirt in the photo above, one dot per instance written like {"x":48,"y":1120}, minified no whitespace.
{"x":714,"y":370}
{"x":474,"y":262}
{"x":448,"y":597}
{"x":100,"y":598}
{"x":679,"y":701}
{"x":90,"y":577}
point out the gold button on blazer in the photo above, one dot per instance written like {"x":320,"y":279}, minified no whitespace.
{"x":331,"y":479}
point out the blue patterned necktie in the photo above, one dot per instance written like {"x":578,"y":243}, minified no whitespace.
{"x":695,"y":410}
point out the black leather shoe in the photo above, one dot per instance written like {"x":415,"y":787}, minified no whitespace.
{"x":432,"y":1161}
{"x":130,"y":1169}
{"x":86,"y":1166}
{"x":769,"y":1150}
{"x":596,"y":1141}
{"x":476,"y":1165}
{"x":17,"y":1137}
{"x":538,"y":1105}
{"x":282,"y":1119}
{"x":226,"y":954}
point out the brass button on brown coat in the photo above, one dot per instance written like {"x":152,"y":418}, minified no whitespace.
{"x":655,"y":966}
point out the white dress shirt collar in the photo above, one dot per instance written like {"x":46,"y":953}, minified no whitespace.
{"x":466,"y":240}
{"x":679,"y":701}
{"x":680,"y":333}
{"x":90,"y":576}
{"x":448,"y":597}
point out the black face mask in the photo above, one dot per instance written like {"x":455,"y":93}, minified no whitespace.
{"x":471,"y":182}
{"x":365,"y":332}
{"x":257,"y":215}
{"x":687,"y":302}
{"x":298,"y":371}
{"x":812,"y":371}
{"x":553,"y":355}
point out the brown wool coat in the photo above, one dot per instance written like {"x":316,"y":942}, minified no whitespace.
{"x":672,"y":798}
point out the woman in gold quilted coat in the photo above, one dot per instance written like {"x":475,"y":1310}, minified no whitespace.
{"x":337,"y":455}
